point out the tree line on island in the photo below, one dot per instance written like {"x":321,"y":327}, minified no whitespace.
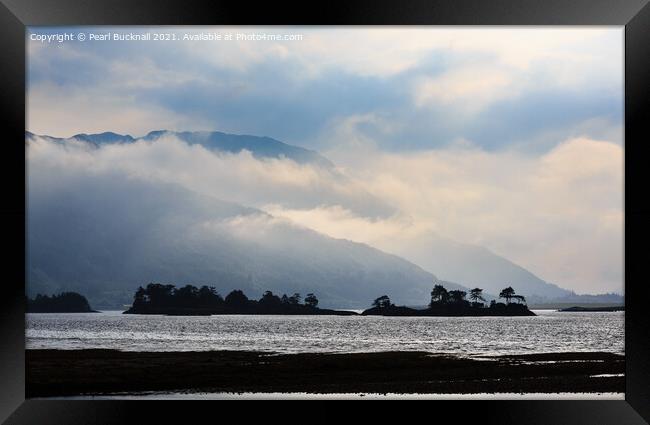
{"x":159,"y":298}
{"x":454,"y":303}
{"x":65,"y":302}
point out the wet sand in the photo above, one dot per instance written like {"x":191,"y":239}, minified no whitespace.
{"x":86,"y":372}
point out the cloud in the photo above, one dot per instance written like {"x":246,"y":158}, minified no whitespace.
{"x":234,"y":177}
{"x":388,"y":51}
{"x":51,"y":110}
{"x":505,"y":137}
{"x":559,"y":215}
{"x":477,"y":87}
{"x":494,"y":66}
{"x":495,"y":86}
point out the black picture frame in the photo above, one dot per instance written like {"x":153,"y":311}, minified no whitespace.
{"x":15,"y":15}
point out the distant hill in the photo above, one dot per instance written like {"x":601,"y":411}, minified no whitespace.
{"x":105,"y":236}
{"x":573,"y":299}
{"x":260,"y":147}
{"x":450,"y":261}
{"x":95,"y":140}
{"x":475,"y":266}
{"x":104,"y":138}
{"x":593,"y":309}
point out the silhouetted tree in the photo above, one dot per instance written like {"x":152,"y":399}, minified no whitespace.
{"x":270,"y":300}
{"x":295,"y":299}
{"x":476,"y":294}
{"x":236,"y":299}
{"x":209,"y":297}
{"x":519,"y":298}
{"x":159,"y":295}
{"x":166,"y":299}
{"x":65,"y":302}
{"x":311,"y":300}
{"x":382,"y":302}
{"x":187,"y":296}
{"x":457,"y":296}
{"x":507,"y":293}
{"x":439,"y":295}
{"x":140,"y":298}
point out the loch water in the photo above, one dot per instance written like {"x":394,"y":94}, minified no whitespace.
{"x":549,"y":331}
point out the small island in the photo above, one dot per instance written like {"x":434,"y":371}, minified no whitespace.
{"x":189,"y":300}
{"x":166,"y":299}
{"x":65,"y":302}
{"x":453,"y":303}
{"x":593,"y":309}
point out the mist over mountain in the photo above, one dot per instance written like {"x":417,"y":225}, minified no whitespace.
{"x":260,"y":147}
{"x":95,"y":140}
{"x":106,"y":137}
{"x":102,"y":226}
{"x":105,"y":235}
{"x":476,"y":266}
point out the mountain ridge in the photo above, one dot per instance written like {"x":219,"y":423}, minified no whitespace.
{"x":445,"y":259}
{"x":104,"y":237}
{"x":259,"y":146}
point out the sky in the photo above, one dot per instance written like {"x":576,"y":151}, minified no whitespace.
{"x":508,"y":138}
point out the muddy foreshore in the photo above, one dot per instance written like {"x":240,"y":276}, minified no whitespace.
{"x":93,"y":372}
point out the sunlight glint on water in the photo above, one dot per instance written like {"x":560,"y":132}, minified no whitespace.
{"x":550,"y":331}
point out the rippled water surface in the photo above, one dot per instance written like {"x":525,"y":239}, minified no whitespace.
{"x":549,"y":331}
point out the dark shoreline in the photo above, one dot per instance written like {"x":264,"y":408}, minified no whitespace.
{"x":51,"y":373}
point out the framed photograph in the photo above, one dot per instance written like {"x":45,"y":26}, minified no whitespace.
{"x":438,"y":201}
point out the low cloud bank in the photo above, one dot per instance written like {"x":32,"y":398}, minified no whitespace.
{"x":559,"y":214}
